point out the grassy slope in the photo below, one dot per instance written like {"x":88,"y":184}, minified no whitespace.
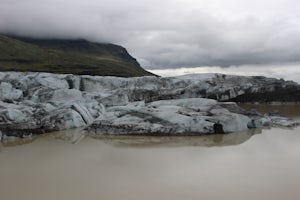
{"x":67,"y":56}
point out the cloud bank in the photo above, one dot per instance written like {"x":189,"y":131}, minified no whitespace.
{"x":169,"y":33}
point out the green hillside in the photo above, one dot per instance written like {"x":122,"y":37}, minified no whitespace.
{"x":67,"y":56}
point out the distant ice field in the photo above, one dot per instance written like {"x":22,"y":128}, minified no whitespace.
{"x":285,"y":71}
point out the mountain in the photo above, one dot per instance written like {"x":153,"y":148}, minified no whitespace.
{"x":67,"y":56}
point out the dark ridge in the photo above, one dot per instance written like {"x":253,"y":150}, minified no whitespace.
{"x":67,"y":57}
{"x":81,"y":46}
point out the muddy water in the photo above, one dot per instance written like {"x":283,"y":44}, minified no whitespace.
{"x":262,"y":164}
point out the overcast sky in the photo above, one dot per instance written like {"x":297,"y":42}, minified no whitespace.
{"x":169,"y":33}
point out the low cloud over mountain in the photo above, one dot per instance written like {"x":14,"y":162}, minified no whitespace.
{"x":170,"y":33}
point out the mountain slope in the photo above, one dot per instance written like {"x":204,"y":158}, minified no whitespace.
{"x":67,"y":56}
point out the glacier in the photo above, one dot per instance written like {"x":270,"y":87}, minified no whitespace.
{"x":36,"y":103}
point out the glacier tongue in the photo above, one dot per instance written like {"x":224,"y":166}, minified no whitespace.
{"x":35,"y":103}
{"x":175,"y":117}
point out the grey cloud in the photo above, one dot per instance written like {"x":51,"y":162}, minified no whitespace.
{"x":170,"y":33}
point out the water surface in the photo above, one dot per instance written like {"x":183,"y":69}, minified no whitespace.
{"x":261,"y":164}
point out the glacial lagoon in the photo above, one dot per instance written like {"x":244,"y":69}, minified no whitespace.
{"x":259,"y":164}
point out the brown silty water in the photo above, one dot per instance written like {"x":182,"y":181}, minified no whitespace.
{"x":260,"y":164}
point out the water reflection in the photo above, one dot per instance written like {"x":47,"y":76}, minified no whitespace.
{"x":72,"y":136}
{"x":76,"y":135}
{"x":177,"y":141}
